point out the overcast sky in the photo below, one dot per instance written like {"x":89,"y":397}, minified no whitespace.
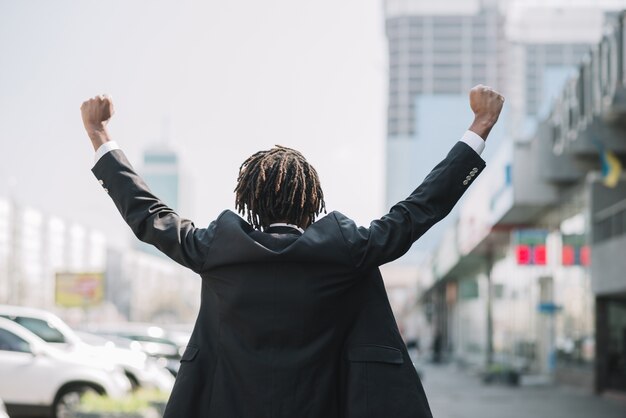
{"x":227,"y":77}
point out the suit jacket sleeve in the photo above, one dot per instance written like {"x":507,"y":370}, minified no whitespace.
{"x":150,"y":219}
{"x":391,"y":236}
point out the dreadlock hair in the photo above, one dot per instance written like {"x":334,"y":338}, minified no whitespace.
{"x":278,"y":185}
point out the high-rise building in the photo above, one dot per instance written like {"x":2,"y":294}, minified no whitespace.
{"x":437,"y":52}
{"x":161,"y":172}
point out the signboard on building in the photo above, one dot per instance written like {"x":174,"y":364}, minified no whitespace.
{"x":575,"y":252}
{"x":590,"y":92}
{"x":530,"y":246}
{"x":79,"y":289}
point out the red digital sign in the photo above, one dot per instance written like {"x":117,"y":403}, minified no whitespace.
{"x":530,"y":246}
{"x":575,"y":255}
{"x":540,"y":255}
{"x":575,"y":251}
{"x":585,"y":255}
{"x":531,"y":255}
{"x":522,"y":254}
{"x":568,"y":256}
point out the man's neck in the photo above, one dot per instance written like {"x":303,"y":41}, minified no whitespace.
{"x":285,"y":224}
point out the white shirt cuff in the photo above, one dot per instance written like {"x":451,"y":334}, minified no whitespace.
{"x":474,"y":141}
{"x":104,"y":148}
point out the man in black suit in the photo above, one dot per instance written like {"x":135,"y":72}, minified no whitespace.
{"x":294,"y":319}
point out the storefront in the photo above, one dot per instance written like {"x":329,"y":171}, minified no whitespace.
{"x":609,"y":283}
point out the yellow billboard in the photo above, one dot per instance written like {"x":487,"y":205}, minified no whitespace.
{"x":79,"y":289}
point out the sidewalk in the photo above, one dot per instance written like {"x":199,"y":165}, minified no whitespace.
{"x":456,"y":394}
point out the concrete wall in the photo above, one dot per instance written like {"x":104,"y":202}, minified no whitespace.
{"x":608,"y":266}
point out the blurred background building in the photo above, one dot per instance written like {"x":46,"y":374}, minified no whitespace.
{"x":524,"y":275}
{"x":437,"y":52}
{"x":137,"y":282}
{"x":161,"y":172}
{"x":34,"y":246}
{"x":545,"y":41}
{"x":146,"y":287}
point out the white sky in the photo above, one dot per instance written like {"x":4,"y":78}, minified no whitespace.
{"x":231,"y":77}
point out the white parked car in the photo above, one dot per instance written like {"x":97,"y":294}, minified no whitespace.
{"x":141,"y":370}
{"x":41,"y":380}
{"x":3,"y":410}
{"x":154,"y":340}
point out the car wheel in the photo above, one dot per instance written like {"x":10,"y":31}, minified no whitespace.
{"x":134,"y":382}
{"x":68,"y":399}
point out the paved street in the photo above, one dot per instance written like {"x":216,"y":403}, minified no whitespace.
{"x":456,"y":394}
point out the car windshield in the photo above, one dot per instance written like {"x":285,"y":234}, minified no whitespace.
{"x":11,"y":342}
{"x":41,"y":328}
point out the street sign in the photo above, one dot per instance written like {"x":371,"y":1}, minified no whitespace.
{"x":549,"y":308}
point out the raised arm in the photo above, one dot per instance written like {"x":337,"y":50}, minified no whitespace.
{"x":150,"y":219}
{"x":392,"y":235}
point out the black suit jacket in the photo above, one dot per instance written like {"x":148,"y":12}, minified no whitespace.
{"x":293,"y":325}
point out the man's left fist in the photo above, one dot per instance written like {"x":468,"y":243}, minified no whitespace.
{"x":96,"y":112}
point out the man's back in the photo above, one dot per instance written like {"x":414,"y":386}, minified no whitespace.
{"x":292,"y":325}
{"x":285,"y":332}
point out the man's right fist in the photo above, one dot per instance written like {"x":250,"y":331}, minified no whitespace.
{"x":96,"y":113}
{"x":486,"y":103}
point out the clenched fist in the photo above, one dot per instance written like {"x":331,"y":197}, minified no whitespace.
{"x":96,"y":113}
{"x":486,"y":104}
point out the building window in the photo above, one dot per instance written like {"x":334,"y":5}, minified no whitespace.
{"x":610,"y":222}
{"x":468,"y":289}
{"x":498,"y":291}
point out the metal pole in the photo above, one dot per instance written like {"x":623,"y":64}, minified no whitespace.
{"x":489,"y":358}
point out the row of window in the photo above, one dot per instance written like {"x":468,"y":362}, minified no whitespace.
{"x":610,"y":227}
{"x":438,"y":48}
{"x":441,"y":23}
{"x":404,"y":96}
{"x":439,"y":36}
{"x":439,"y":74}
